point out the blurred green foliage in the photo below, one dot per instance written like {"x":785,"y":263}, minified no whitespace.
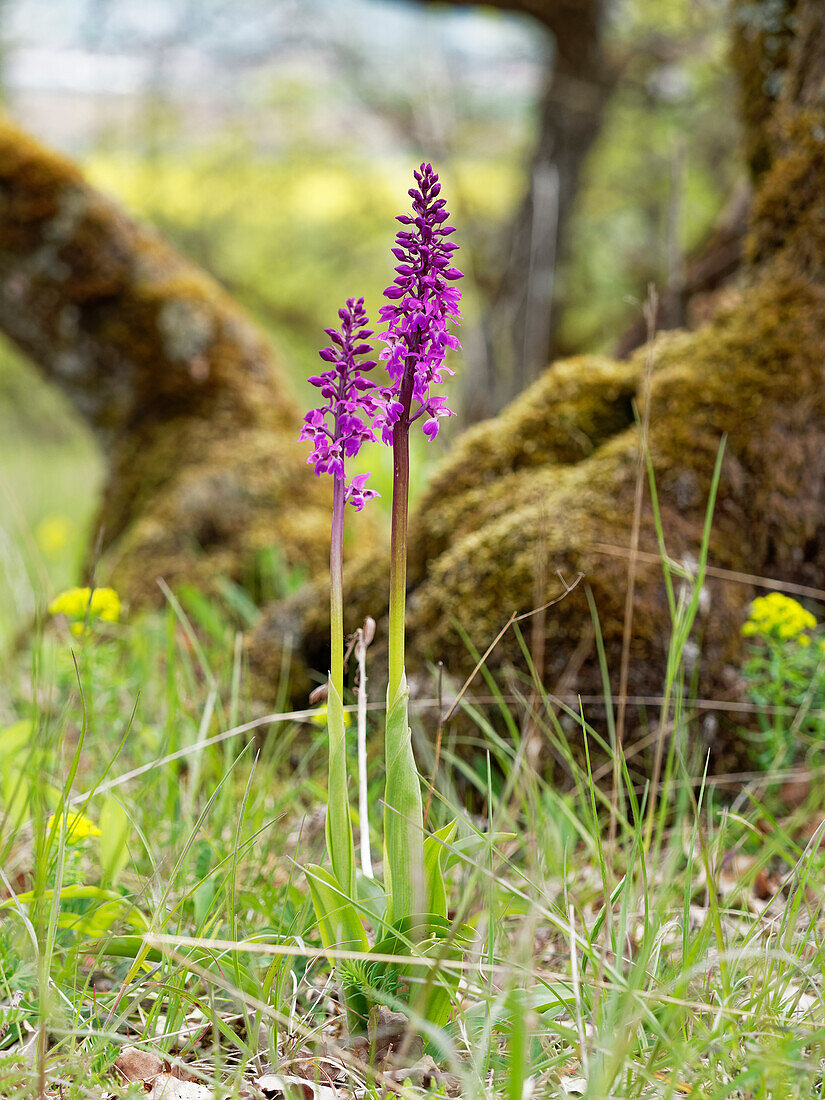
{"x":293,"y":238}
{"x":293,"y":228}
{"x":664,"y":166}
{"x":50,"y":474}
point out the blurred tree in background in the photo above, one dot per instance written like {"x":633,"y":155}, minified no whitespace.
{"x":519,"y":285}
{"x":216,"y":102}
{"x":555,"y":482}
{"x":270,"y":141}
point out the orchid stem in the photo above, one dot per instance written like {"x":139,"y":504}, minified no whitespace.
{"x":339,"y":825}
{"x":403,"y":809}
{"x":336,"y":589}
{"x":398,"y":553}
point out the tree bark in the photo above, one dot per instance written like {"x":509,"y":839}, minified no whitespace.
{"x":550,"y":484}
{"x":177,"y":382}
{"x":711,"y":271}
{"x":518,"y":325}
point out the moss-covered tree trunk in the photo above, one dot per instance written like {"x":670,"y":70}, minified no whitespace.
{"x":550,"y":484}
{"x":177,"y":382}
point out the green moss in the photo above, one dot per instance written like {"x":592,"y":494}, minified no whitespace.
{"x":185,"y":395}
{"x":487,"y":544}
{"x":560,"y":420}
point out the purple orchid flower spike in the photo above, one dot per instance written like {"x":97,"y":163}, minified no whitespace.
{"x":339,"y":428}
{"x":421,"y":304}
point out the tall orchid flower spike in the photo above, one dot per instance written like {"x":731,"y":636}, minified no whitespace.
{"x":421,"y":304}
{"x":337,"y":430}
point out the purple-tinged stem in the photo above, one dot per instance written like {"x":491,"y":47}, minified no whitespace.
{"x":398,"y":538}
{"x":336,"y":588}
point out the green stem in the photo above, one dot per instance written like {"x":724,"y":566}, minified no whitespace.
{"x":398,"y":537}
{"x":339,"y":826}
{"x":336,"y":589}
{"x":403,"y":812}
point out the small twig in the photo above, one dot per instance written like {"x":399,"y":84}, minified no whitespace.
{"x":531,"y":737}
{"x":731,"y":575}
{"x":574,"y":968}
{"x":363,"y":636}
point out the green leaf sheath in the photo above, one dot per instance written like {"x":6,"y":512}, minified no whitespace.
{"x":403,"y":814}
{"x":338,"y":921}
{"x":339,"y":825}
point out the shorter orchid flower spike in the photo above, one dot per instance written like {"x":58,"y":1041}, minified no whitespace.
{"x":421,"y":303}
{"x":338,"y":428}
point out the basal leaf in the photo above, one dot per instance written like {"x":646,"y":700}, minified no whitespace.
{"x":434,"y":851}
{"x":338,"y":920}
{"x":403,"y":815}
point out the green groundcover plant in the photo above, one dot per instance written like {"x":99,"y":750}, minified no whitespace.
{"x":785,"y":677}
{"x":410,"y":914}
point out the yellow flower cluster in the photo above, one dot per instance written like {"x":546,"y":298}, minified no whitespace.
{"x":778,"y":616}
{"x":78,"y":827}
{"x":82,"y":604}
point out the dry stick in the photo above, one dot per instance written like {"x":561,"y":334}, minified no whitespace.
{"x":363,"y":636}
{"x":720,"y":574}
{"x":650,"y":310}
{"x":268,"y":719}
{"x":309,"y":713}
{"x":657,"y":701}
{"x":514,"y":618}
{"x":574,"y":974}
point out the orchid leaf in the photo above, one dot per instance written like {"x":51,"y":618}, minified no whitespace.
{"x":403,"y":814}
{"x":434,"y":851}
{"x":338,"y":920}
{"x":432,"y":988}
{"x":372,"y":900}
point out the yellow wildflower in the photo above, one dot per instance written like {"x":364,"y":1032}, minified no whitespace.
{"x":86,"y":604}
{"x":78,"y":827}
{"x":53,"y":535}
{"x":779,"y":616}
